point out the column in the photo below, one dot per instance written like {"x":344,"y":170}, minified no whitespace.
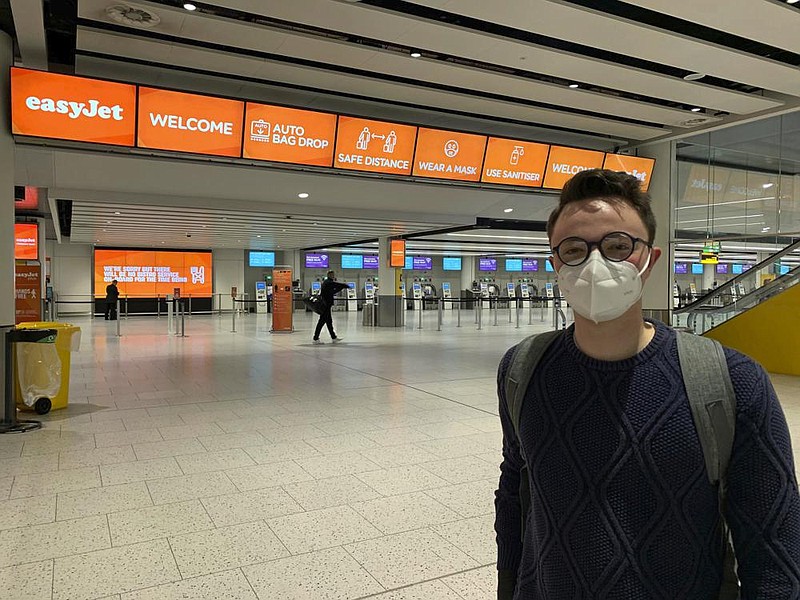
{"x":467,"y":277}
{"x":390,"y":301}
{"x":657,"y":296}
{"x":7,"y":310}
{"x":709,"y":277}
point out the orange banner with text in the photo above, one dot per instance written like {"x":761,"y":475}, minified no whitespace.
{"x":289,"y":135}
{"x":397,"y":253}
{"x":565,"y":162}
{"x":147,"y":274}
{"x":26,"y":241}
{"x":449,"y":155}
{"x":376,"y":146}
{"x":513,"y":162}
{"x":72,"y":108}
{"x":282,"y":300}
{"x":27,"y":293}
{"x":189,"y":123}
{"x":641,"y":168}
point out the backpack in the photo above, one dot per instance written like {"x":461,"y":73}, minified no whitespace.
{"x":711,"y":398}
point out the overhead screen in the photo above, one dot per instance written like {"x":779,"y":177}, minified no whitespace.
{"x":513,"y":265}
{"x":102,"y":112}
{"x":487,"y":264}
{"x":261,"y":259}
{"x":317,"y":261}
{"x":26,"y":241}
{"x":148,"y":274}
{"x":451,"y":263}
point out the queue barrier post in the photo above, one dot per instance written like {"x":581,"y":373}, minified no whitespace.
{"x":420,"y":313}
{"x":496,"y":308}
{"x":119,"y":318}
{"x":530,"y":311}
{"x":233,"y":313}
{"x":439,"y":307}
{"x":190,"y":306}
{"x":182,"y":306}
{"x":509,"y":308}
{"x":479,"y":313}
{"x":517,"y":308}
{"x":459,"y":313}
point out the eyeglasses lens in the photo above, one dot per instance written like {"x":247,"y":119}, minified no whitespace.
{"x":616,"y":247}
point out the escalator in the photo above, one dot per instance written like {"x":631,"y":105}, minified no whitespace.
{"x":742,"y":293}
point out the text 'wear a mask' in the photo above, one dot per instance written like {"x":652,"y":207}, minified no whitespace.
{"x":600,"y":289}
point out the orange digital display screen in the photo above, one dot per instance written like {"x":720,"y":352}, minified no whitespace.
{"x":72,"y":108}
{"x":565,"y":162}
{"x":26,"y":241}
{"x":189,"y":123}
{"x":376,"y":146}
{"x":397,"y":255}
{"x":513,"y":162}
{"x":641,"y":168}
{"x":289,"y":135}
{"x":449,"y":155}
{"x":147,"y":274}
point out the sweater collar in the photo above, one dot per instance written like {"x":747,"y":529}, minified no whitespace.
{"x":662,"y":335}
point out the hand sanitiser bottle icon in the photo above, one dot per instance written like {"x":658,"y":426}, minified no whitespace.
{"x":515,"y":154}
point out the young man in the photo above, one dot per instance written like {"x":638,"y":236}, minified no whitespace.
{"x":112,"y":295}
{"x":330,"y":287}
{"x":621,"y":505}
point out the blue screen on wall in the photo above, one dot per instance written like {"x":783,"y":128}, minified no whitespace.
{"x":737,"y":269}
{"x":513,"y":265}
{"x":409,"y":263}
{"x":352,"y":261}
{"x":548,"y":267}
{"x":697,"y":269}
{"x":262,"y":259}
{"x":451,"y":263}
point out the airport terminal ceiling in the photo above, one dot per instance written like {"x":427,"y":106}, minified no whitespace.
{"x":598,"y":75}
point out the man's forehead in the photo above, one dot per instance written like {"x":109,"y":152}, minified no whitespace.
{"x":599,"y":213}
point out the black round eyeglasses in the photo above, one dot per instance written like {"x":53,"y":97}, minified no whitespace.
{"x":616,"y":247}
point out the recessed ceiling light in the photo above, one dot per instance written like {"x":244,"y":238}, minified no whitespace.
{"x":224,"y":218}
{"x":416,"y":54}
{"x":694,"y":76}
{"x":574,"y":86}
{"x":163,"y":242}
{"x":302,"y":195}
{"x":696,"y":109}
{"x":258,"y":236}
{"x":792,"y":1}
{"x":508,"y":210}
{"x":189,"y":6}
{"x":766,"y":186}
{"x":117,"y":213}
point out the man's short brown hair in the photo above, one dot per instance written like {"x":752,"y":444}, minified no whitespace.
{"x":611,"y":186}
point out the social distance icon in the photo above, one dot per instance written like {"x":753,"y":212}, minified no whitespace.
{"x":376,"y":146}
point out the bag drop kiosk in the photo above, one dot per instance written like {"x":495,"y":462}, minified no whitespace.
{"x":447,"y":294}
{"x":352,"y":296}
{"x":261,"y":296}
{"x":369,"y":292}
{"x":416,"y":290}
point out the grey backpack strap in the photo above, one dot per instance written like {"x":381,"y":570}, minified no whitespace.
{"x":527,"y":355}
{"x":712,"y":399}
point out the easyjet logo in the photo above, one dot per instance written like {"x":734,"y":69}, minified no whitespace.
{"x":90,"y":109}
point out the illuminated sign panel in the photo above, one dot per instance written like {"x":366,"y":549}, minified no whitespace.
{"x":26,"y":241}
{"x":512,"y":162}
{"x":261,"y":259}
{"x":376,"y":146}
{"x":371,"y":262}
{"x":147,"y":274}
{"x":565,"y":162}
{"x":72,"y":108}
{"x":397,"y":253}
{"x":641,"y":168}
{"x":189,"y":123}
{"x":530,"y":264}
{"x":449,"y":155}
{"x":289,"y":135}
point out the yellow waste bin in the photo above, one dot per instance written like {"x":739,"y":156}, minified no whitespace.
{"x":67,"y":341}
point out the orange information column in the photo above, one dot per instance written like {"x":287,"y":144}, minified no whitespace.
{"x":282,"y":300}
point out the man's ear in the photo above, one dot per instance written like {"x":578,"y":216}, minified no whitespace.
{"x":655,"y":254}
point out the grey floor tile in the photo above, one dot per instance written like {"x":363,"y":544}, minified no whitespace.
{"x":153,"y":522}
{"x":324,"y":575}
{"x":462,"y":469}
{"x":348,"y":442}
{"x":189,"y":431}
{"x":283,"y":451}
{"x":226,"y":441}
{"x":215,"y":461}
{"x":333,"y":491}
{"x":332,"y":465}
{"x":474,"y":536}
{"x":102,"y":501}
{"x":168,"y":448}
{"x":396,"y":514}
{"x":142,"y":470}
{"x":398,"y":456}
{"x":319,"y":529}
{"x":32,"y":581}
{"x":126,"y":438}
{"x":227,"y":585}
{"x":468,"y":499}
{"x":269,"y":475}
{"x":53,"y":539}
{"x":23,"y":512}
{"x":400,"y":436}
{"x":190,"y":487}
{"x":114,"y":571}
{"x":72,"y":459}
{"x":58,"y":481}
{"x":401,"y":480}
{"x":244,"y":507}
{"x":429,"y":590}
{"x":476,"y":584}
{"x":225,"y":548}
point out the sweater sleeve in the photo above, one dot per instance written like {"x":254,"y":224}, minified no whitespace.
{"x":763,"y":506}
{"x":508,"y":523}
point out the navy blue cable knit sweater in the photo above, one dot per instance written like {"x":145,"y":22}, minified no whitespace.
{"x":621,"y":506}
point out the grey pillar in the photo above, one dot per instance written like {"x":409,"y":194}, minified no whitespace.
{"x":7,"y":309}
{"x":391,"y":309}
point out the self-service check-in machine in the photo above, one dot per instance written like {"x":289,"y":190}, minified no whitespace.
{"x":512,"y":290}
{"x":447,"y":294}
{"x":316,"y":288}
{"x":548,"y":290}
{"x":524,"y":290}
{"x":352,"y":297}
{"x":676,"y":295}
{"x":484,"y":289}
{"x":416,"y":290}
{"x":261,"y":296}
{"x":742,"y":289}
{"x":369,"y":292}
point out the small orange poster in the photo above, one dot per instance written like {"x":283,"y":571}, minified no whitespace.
{"x":513,"y":162}
{"x":26,"y":241}
{"x":282,"y":300}
{"x":565,"y":162}
{"x":289,"y":135}
{"x":449,"y":155}
{"x":641,"y":168}
{"x":376,"y":146}
{"x":397,"y":254}
{"x":27,"y":293}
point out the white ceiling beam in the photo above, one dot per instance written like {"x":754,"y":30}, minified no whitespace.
{"x":29,"y":26}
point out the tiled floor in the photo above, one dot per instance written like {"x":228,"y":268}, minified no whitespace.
{"x":258,"y":466}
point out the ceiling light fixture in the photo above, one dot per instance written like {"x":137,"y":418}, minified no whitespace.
{"x":766,"y":186}
{"x":696,"y":109}
{"x":416,"y":54}
{"x":117,"y":213}
{"x":792,"y":1}
{"x":574,"y":86}
{"x":302,"y":195}
{"x":189,"y":6}
{"x":508,"y":210}
{"x":694,"y":76}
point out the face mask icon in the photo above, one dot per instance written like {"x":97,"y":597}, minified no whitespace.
{"x":198,"y":274}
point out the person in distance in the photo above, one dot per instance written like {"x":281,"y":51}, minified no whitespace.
{"x":622,"y":501}
{"x":112,"y":295}
{"x":330,"y":287}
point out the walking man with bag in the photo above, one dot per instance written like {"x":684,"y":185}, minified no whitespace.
{"x":330,"y":287}
{"x":638,"y":462}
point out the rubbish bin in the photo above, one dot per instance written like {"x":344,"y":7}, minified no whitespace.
{"x":67,"y":341}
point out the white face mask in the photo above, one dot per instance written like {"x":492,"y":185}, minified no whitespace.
{"x":600,"y":289}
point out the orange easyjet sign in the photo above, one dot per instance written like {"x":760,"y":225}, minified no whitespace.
{"x":513,"y":162}
{"x":289,"y":135}
{"x":565,"y":162}
{"x":376,"y":146}
{"x":397,"y":254}
{"x":449,"y":155}
{"x":189,"y":123}
{"x":641,"y":168}
{"x":26,"y":241}
{"x":72,"y":108}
